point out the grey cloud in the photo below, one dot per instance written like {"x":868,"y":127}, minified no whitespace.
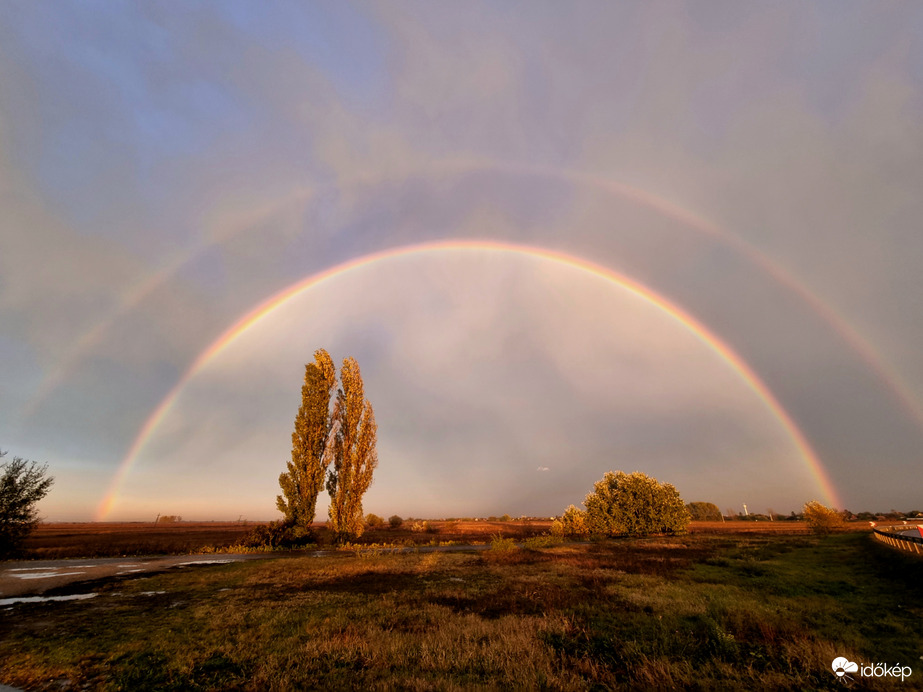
{"x":226,"y":142}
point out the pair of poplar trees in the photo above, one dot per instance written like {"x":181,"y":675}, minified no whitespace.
{"x":333,"y":448}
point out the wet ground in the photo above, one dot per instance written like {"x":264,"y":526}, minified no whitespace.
{"x":49,"y":578}
{"x":55,"y":579}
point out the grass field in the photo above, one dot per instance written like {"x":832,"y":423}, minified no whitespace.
{"x":703,"y":611}
{"x":112,"y":539}
{"x":104,"y":539}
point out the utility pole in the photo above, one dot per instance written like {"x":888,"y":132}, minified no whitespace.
{"x":746,"y":513}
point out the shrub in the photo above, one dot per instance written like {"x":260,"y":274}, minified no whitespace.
{"x":419,"y":526}
{"x":704,"y":511}
{"x":169,"y":519}
{"x":395,"y":521}
{"x":543,"y":541}
{"x":279,"y":534}
{"x":374,"y":521}
{"x":821,"y":519}
{"x":571,"y":523}
{"x":634,"y":504}
{"x":503,"y":545}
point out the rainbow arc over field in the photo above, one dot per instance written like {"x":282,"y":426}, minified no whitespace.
{"x":253,"y":317}
{"x":302,"y":195}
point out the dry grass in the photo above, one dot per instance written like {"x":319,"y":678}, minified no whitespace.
{"x":66,"y":540}
{"x":696,"y":612}
{"x":112,"y":539}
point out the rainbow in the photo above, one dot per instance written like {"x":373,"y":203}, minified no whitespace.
{"x":257,"y":314}
{"x":226,"y":230}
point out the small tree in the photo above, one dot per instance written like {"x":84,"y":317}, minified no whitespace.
{"x":821,"y":519}
{"x":634,"y":504}
{"x":704,"y":511}
{"x":22,"y":484}
{"x":373,"y":521}
{"x":395,"y":521}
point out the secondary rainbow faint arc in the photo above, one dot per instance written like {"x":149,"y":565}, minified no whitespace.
{"x":266,"y":307}
{"x":140,"y":291}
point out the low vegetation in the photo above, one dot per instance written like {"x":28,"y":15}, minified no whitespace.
{"x":822,"y":519}
{"x":72,"y":540}
{"x":572,"y":524}
{"x":697,"y":611}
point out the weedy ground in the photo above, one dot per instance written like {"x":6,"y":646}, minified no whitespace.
{"x":694,"y":612}
{"x":55,"y":541}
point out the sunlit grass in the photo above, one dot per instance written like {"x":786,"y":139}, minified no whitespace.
{"x":697,"y":612}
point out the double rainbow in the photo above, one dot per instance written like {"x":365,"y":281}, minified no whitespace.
{"x":253,"y":317}
{"x":136,"y":294}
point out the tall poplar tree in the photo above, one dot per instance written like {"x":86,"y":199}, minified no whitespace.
{"x":351,"y":450}
{"x":307,"y":469}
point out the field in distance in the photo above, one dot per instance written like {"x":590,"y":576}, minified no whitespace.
{"x":111,"y":539}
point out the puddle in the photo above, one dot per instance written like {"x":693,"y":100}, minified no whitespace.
{"x":151,"y":593}
{"x":45,"y":599}
{"x":130,"y":571}
{"x":44,"y":575}
{"x":205,"y":562}
{"x":46,"y":568}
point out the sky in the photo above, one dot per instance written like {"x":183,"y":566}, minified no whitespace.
{"x":559,"y":239}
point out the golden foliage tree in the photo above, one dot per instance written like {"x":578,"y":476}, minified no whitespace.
{"x":634,"y":504}
{"x":351,"y":452}
{"x":822,"y":519}
{"x":571,"y":523}
{"x":304,"y":478}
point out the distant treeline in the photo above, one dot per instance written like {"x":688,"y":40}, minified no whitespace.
{"x":708,"y":511}
{"x":168,"y":519}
